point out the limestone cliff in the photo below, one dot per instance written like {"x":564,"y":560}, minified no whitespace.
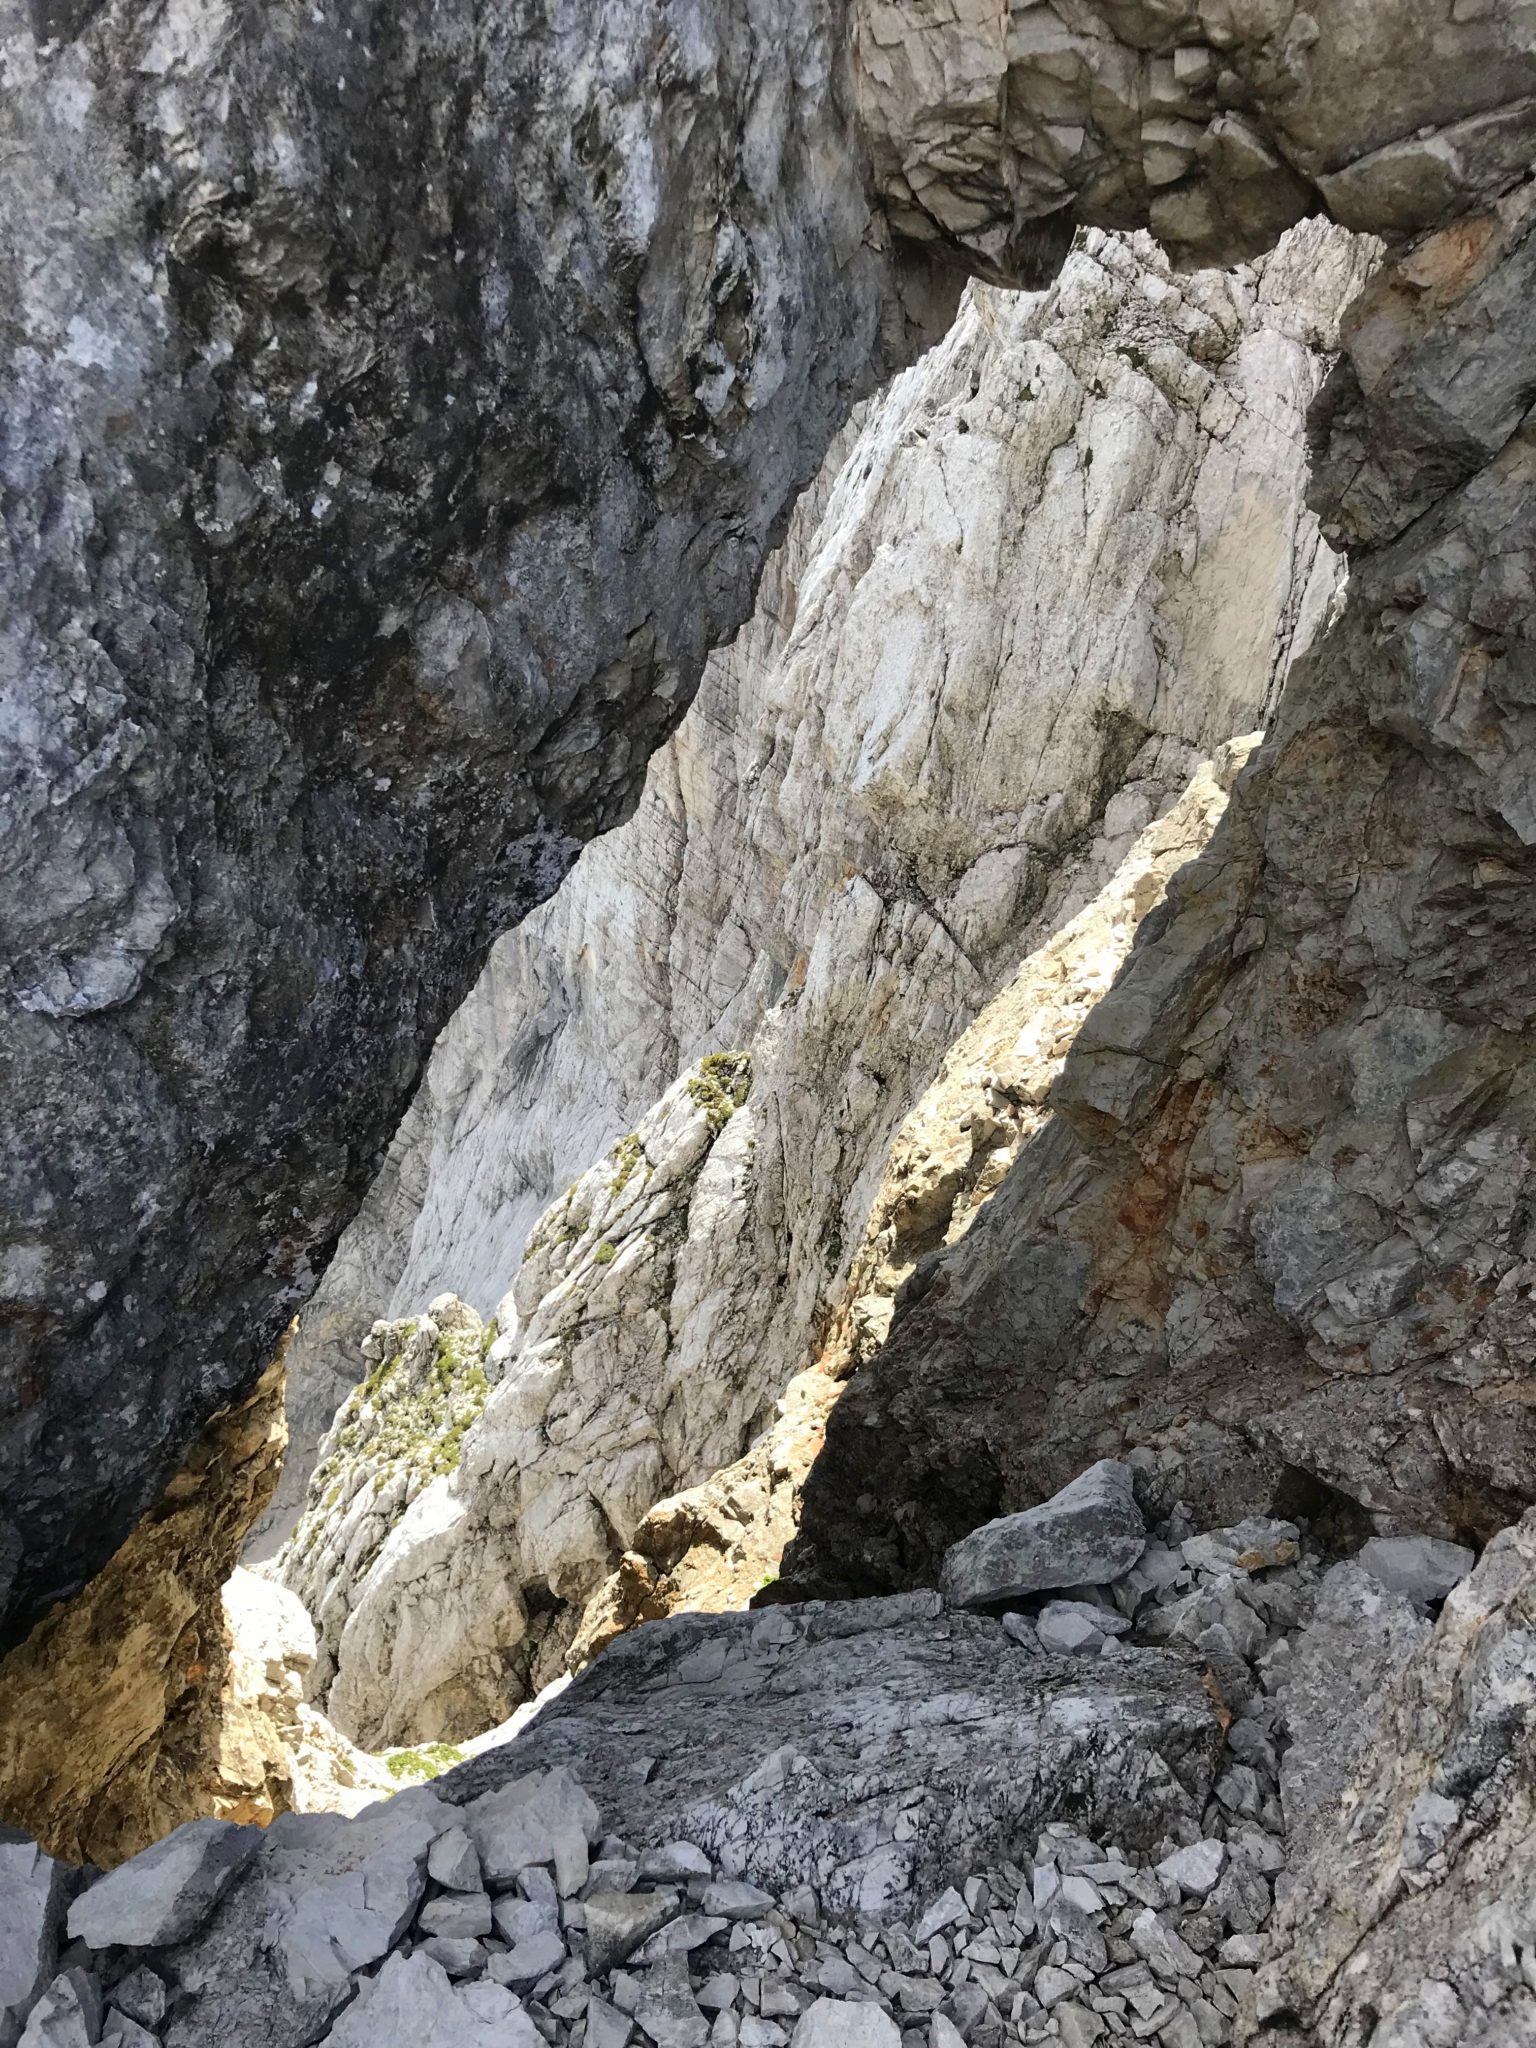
{"x":1075,"y":530}
{"x":406,"y":404}
{"x":1279,"y":1226}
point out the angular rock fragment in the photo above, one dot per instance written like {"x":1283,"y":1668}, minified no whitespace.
{"x":165,"y":1893}
{"x":617,"y":1923}
{"x":834,"y":2023}
{"x":946,"y":1909}
{"x":675,"y":1859}
{"x":531,"y":1959}
{"x":457,"y":1915}
{"x":1065,"y":1630}
{"x":1196,"y":1869}
{"x":1254,"y":1545}
{"x":516,"y":1919}
{"x":68,"y":2015}
{"x":34,"y":1889}
{"x":459,"y":1954}
{"x":1419,"y":1567}
{"x":607,"y":2027}
{"x":413,"y":2003}
{"x":1086,"y":1535}
{"x":452,"y":1861}
{"x":677,"y":1937}
{"x":122,"y":2032}
{"x":523,"y":1823}
{"x":667,"y":2011}
{"x":140,"y":1996}
{"x":734,"y":1900}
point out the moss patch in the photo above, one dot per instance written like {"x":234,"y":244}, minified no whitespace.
{"x":417,"y":1765}
{"x":626,"y":1156}
{"x":721,"y":1085}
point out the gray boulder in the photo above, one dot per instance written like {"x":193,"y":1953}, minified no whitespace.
{"x":452,"y":1861}
{"x":668,"y":2013}
{"x":1419,"y":1567}
{"x":458,"y":1915}
{"x":164,"y":1894}
{"x":1086,"y":1535}
{"x":34,"y":1889}
{"x":617,"y":1923}
{"x":527,"y":1822}
{"x":141,"y":1997}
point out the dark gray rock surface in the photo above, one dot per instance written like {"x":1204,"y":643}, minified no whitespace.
{"x":1406,"y":1921}
{"x":873,"y":1750}
{"x":399,"y":404}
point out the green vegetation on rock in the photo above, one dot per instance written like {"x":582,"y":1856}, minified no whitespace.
{"x":721,"y":1085}
{"x":429,"y":1761}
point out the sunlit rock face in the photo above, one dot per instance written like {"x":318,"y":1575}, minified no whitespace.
{"x":1279,"y":1226}
{"x":1062,"y":558}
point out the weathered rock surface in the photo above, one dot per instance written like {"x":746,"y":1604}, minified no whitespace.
{"x":1077,"y":527}
{"x":1218,"y":125}
{"x":1417,"y":1566}
{"x":112,"y":1712}
{"x":34,"y":1893}
{"x":407,"y":405}
{"x":1406,"y":1924}
{"x":423,"y":1584}
{"x":1277,"y":1229}
{"x":716,"y":1545}
{"x":789,"y":1744}
{"x":304,"y":653}
{"x":170,"y":1891}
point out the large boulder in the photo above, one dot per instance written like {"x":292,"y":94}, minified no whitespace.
{"x":1086,"y":1535}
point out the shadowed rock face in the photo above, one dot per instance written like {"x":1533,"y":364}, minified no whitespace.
{"x":401,"y":403}
{"x":404,"y":407}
